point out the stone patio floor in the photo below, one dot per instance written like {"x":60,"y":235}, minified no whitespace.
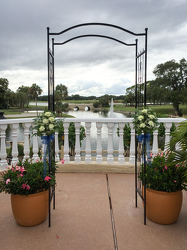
{"x":82,"y":219}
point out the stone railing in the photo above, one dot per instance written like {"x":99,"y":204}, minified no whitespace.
{"x":13,"y":126}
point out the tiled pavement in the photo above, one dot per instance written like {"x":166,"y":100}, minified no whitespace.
{"x":82,"y":219}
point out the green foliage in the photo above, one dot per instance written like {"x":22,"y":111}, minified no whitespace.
{"x":3,"y":88}
{"x":104,"y":101}
{"x":96,"y":104}
{"x":163,"y":175}
{"x":26,"y":178}
{"x":179,"y":137}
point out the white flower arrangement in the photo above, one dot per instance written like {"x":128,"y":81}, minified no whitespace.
{"x":45,"y":124}
{"x":145,"y":121}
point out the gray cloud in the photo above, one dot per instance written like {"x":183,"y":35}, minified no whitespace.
{"x":23,"y":41}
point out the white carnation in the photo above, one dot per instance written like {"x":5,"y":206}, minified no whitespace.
{"x":41,"y":128}
{"x":142,"y":125}
{"x":140,"y":117}
{"x":51,"y":126}
{"x":45,"y":121}
{"x":144,"y":111}
{"x":51,"y":119}
{"x":48,"y":113}
{"x":151,"y":123}
{"x":151,"y":116}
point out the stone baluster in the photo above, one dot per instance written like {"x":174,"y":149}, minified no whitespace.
{"x":177,"y":146}
{"x":99,"y":144}
{"x":77,"y":142}
{"x":132,"y":145}
{"x":88,"y":143}
{"x":121,"y":158}
{"x":26,"y":139}
{"x":155,"y":143}
{"x":14,"y":128}
{"x":3,"y":154}
{"x":66,"y":142}
{"x":110,"y":158}
{"x":56,"y":147}
{"x":35,"y":147}
{"x":167,"y":126}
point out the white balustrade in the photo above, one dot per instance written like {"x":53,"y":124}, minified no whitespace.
{"x":132,"y":145}
{"x":121,"y":158}
{"x":88,"y":123}
{"x":155,"y":143}
{"x":14,"y":128}
{"x":3,"y":153}
{"x":99,"y":144}
{"x":66,"y":142}
{"x":77,"y":142}
{"x":110,"y":126}
{"x":26,"y":127}
{"x":88,"y":143}
{"x":57,"y":158}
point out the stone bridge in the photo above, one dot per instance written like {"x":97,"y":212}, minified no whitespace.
{"x":81,"y":106}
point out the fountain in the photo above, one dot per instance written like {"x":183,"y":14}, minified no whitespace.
{"x":111,"y":111}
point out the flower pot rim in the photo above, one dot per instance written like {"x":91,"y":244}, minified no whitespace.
{"x":36,"y":194}
{"x":163,"y":192}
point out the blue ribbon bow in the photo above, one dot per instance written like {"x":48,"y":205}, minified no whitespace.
{"x":145,"y":138}
{"x":46,"y":139}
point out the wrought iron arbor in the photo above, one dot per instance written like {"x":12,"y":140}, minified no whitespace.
{"x":140,"y":72}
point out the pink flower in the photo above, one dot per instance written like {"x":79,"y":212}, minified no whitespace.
{"x":175,"y":181}
{"x":151,"y":155}
{"x":21,"y":175}
{"x":165,"y":167}
{"x":62,"y":161}
{"x":47,"y":178}
{"x":28,"y":187}
{"x":7,"y":181}
{"x":24,"y":185}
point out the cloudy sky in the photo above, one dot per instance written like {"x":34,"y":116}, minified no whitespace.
{"x":88,"y":66}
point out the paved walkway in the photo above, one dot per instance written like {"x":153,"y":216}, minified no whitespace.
{"x":82,"y":219}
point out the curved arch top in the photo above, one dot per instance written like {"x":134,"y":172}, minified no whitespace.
{"x":92,"y":35}
{"x":100,"y":24}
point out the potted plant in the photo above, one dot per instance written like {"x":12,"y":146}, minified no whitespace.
{"x":164,"y":181}
{"x":29,"y":191}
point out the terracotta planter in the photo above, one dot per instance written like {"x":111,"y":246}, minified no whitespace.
{"x":163,"y":207}
{"x":30,"y":210}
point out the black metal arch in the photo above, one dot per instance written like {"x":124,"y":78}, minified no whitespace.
{"x":93,"y":35}
{"x":140,"y":79}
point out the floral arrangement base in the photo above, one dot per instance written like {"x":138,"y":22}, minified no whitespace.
{"x":163,"y":207}
{"x":30,"y":210}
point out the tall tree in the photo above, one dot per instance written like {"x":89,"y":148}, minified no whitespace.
{"x":173,"y":77}
{"x":3,"y":88}
{"x":61,"y":93}
{"x":22,"y":95}
{"x":35,"y":91}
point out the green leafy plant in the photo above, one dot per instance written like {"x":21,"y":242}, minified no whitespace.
{"x":179,"y":137}
{"x":162,"y":174}
{"x":26,"y":178}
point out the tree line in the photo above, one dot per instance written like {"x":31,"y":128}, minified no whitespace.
{"x":169,"y":86}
